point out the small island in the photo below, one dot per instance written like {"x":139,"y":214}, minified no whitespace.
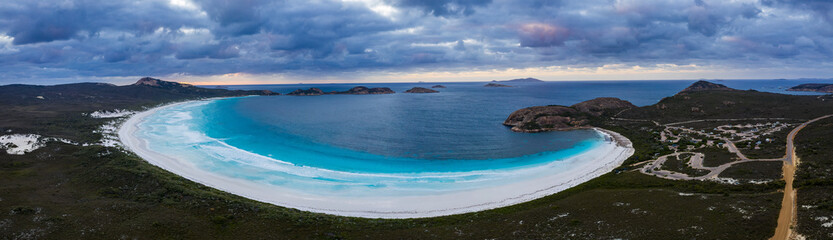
{"x":491,"y":84}
{"x":813,"y":87}
{"x":438,"y":86}
{"x":421,"y":90}
{"x":360,"y":90}
{"x":520,"y":80}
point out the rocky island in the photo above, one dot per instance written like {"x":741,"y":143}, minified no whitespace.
{"x":559,"y":118}
{"x":491,"y":84}
{"x":360,"y":90}
{"x":308,"y":92}
{"x":521,"y":80}
{"x":421,"y":90}
{"x":438,"y":86}
{"x":813,"y":87}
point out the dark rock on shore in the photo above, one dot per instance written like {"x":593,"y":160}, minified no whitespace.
{"x":421,"y":90}
{"x":558,"y":118}
{"x":308,"y":92}
{"x":813,"y":87}
{"x":438,"y":86}
{"x":495,"y":85}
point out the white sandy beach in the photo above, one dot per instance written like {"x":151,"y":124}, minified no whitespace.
{"x":588,"y":165}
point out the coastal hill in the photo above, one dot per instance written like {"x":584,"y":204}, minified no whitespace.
{"x":421,"y":90}
{"x":360,"y":90}
{"x":701,"y":86}
{"x":813,"y":87}
{"x":56,"y":110}
{"x":704,"y":100}
{"x":701,"y":100}
{"x":557,"y":118}
{"x":153,"y":82}
{"x":520,"y":80}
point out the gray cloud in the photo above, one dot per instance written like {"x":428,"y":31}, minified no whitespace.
{"x":125,"y":38}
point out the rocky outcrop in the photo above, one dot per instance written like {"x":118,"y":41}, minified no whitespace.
{"x":813,"y":87}
{"x":599,"y":106}
{"x":421,"y":90}
{"x":438,"y":86}
{"x":308,"y":92}
{"x":544,"y":118}
{"x":491,"y":84}
{"x":153,"y":82}
{"x":557,"y":118}
{"x":701,"y":86}
{"x":360,"y":90}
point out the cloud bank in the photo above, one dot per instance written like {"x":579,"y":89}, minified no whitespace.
{"x":76,"y":39}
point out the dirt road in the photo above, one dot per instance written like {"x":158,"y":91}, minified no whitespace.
{"x":786,"y":217}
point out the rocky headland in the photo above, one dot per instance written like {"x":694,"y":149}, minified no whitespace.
{"x":559,"y":118}
{"x":813,"y":87}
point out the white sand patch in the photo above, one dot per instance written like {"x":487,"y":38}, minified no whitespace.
{"x":825,"y":222}
{"x":727,"y":180}
{"x":588,"y":165}
{"x":111,"y":114}
{"x":19,"y":144}
{"x":759,"y":181}
{"x":109,"y":133}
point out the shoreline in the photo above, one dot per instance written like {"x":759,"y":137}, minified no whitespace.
{"x":589,"y":165}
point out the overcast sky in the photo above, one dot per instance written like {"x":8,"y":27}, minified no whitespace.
{"x":290,"y":41}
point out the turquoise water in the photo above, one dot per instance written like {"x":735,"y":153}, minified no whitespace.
{"x":388,"y":145}
{"x":222,"y":137}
